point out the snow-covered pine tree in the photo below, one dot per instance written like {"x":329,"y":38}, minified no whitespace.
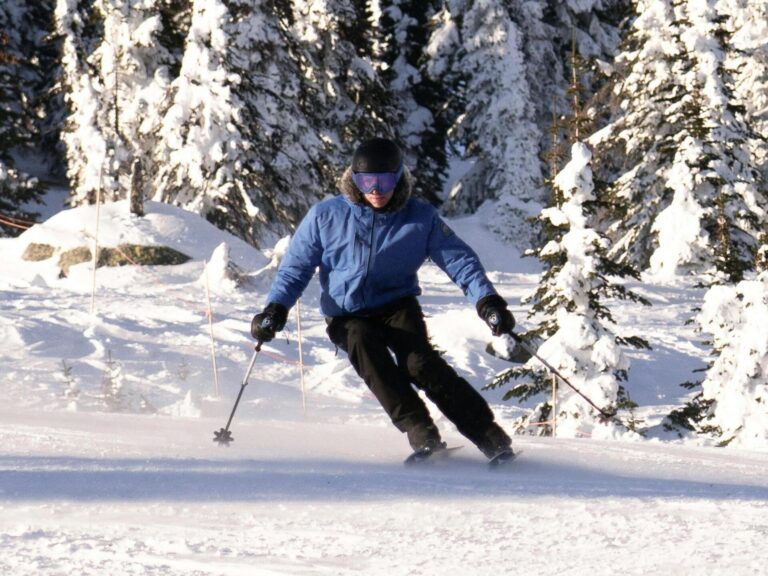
{"x":551,"y":30}
{"x":683,"y":182}
{"x":200,"y":139}
{"x":175,"y":16}
{"x":746,"y":23}
{"x":133,"y":70}
{"x":18,"y":193}
{"x":87,"y":146}
{"x":569,"y":303}
{"x":43,"y":106}
{"x":476,"y":52}
{"x":17,"y":189}
{"x":26,"y":66}
{"x":16,"y":75}
{"x":292,"y":169}
{"x":422,"y":129}
{"x":236,"y":147}
{"x":116,"y":74}
{"x":345,"y":99}
{"x":538,"y":38}
{"x":732,"y":405}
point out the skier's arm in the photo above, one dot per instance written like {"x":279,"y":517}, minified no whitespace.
{"x":463,"y":266}
{"x":293,"y":275}
{"x":458,"y":261}
{"x":299,"y":263}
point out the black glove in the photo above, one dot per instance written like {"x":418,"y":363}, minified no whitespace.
{"x":265,"y":325}
{"x":493,"y":309}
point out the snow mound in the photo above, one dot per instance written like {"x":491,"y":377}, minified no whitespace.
{"x":163,"y":224}
{"x":221,"y":275}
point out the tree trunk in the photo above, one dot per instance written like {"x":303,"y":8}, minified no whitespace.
{"x":137,"y":188}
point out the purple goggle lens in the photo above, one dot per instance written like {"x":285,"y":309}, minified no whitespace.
{"x":376,"y":182}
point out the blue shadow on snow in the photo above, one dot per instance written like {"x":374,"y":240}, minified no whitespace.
{"x":158,"y":479}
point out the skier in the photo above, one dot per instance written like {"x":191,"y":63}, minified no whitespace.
{"x":369,"y":243}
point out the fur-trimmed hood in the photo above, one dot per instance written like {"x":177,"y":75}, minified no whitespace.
{"x":402,"y":193}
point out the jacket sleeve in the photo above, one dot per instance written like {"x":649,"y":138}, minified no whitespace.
{"x":458,"y":261}
{"x":298,"y":264}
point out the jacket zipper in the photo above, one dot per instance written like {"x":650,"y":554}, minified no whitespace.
{"x":369,"y":263}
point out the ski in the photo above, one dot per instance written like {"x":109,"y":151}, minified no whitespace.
{"x":420,"y":456}
{"x":503,"y":458}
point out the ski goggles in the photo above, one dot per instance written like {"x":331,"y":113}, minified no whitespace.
{"x":377,"y":182}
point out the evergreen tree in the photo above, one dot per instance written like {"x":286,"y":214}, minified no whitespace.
{"x":116,"y":75}
{"x":569,"y":303}
{"x":236,"y":147}
{"x":16,"y":76}
{"x":292,"y":169}
{"x":201,"y":142}
{"x":80,"y":27}
{"x":17,"y":190}
{"x":175,"y":16}
{"x":684,"y":186}
{"x":476,"y":51}
{"x":133,"y":70}
{"x":732,"y":405}
{"x":11,"y":124}
{"x":43,"y":103}
{"x":404,"y":31}
{"x":346,"y":100}
{"x":29,"y":60}
{"x":746,"y":24}
{"x":553,"y":30}
{"x":510,"y":58}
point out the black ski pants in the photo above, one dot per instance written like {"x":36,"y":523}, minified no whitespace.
{"x":390,"y":350}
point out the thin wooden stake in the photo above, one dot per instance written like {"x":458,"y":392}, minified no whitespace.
{"x":301,"y":357}
{"x":554,"y":405}
{"x":96,"y":238}
{"x":210,"y":330}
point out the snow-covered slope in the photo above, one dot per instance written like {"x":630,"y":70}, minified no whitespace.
{"x":106,"y":420}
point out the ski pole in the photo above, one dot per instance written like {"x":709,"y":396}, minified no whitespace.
{"x":494,"y":321}
{"x":532,"y":352}
{"x":223,"y":437}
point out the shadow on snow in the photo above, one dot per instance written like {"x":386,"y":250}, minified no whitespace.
{"x":264,"y":480}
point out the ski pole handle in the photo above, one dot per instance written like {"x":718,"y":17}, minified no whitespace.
{"x":499,"y":319}
{"x":264,"y":326}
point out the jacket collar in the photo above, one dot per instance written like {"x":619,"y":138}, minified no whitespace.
{"x":403,"y":191}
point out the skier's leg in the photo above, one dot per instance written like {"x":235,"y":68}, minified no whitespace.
{"x":363,"y":341}
{"x":452,"y":394}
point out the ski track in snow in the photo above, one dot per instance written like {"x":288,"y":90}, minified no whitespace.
{"x":84,"y":491}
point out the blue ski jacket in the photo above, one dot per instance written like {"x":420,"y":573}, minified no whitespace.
{"x":368,"y":258}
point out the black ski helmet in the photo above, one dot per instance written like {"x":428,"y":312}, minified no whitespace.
{"x":377,"y":155}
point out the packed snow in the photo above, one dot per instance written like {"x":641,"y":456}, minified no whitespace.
{"x":109,"y":400}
